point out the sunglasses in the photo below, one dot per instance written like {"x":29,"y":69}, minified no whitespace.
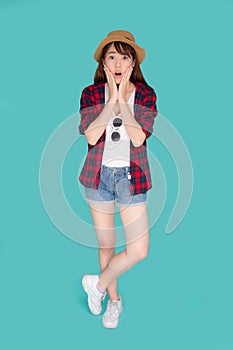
{"x":116,"y":124}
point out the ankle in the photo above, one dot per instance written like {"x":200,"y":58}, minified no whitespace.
{"x":100,"y":289}
{"x":114,"y":297}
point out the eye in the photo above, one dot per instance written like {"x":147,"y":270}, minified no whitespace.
{"x":111,"y":57}
{"x":125,"y":58}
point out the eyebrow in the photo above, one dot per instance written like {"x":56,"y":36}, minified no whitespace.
{"x":123,"y":54}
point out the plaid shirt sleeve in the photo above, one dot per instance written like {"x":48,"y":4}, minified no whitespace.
{"x":147,"y":111}
{"x":87,"y":109}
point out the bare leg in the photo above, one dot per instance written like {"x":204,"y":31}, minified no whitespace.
{"x":135,"y":221}
{"x":103,"y":218}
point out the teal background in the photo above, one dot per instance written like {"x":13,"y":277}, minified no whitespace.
{"x":180,"y":297}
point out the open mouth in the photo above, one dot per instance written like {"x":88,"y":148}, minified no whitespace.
{"x":118,"y":74}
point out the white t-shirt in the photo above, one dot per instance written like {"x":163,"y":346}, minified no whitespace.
{"x":117,"y":153}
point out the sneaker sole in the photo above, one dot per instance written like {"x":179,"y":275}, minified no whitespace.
{"x":107,"y":325}
{"x":88,"y":301}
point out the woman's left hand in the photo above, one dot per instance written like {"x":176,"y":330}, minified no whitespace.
{"x":124,"y":84}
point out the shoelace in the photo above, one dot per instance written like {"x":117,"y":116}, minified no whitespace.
{"x":97,"y":298}
{"x":113,"y":308}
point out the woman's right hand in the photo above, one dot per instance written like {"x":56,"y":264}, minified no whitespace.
{"x":113,"y":92}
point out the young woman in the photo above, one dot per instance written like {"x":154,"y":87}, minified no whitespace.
{"x":117,"y":116}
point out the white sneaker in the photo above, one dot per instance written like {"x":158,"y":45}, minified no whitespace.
{"x":95,"y":297}
{"x":110,"y":318}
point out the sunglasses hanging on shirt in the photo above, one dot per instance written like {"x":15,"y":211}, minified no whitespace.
{"x":116,"y":124}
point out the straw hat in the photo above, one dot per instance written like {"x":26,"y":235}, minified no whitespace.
{"x":123,"y":36}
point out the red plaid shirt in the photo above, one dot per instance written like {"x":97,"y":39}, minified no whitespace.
{"x":91,"y":104}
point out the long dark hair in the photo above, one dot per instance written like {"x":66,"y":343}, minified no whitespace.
{"x":123,"y":49}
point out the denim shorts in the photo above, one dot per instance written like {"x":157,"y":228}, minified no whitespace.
{"x":114,"y":184}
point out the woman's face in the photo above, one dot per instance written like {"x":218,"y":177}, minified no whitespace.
{"x":117,"y":63}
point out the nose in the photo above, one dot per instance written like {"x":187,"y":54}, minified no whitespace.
{"x":117,"y":64}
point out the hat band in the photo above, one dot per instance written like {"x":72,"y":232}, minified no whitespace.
{"x":126,"y":37}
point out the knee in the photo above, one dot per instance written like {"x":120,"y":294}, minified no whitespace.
{"x":142,"y":254}
{"x":138,"y":255}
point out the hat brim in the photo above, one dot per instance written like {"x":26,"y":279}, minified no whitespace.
{"x":141,"y":53}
